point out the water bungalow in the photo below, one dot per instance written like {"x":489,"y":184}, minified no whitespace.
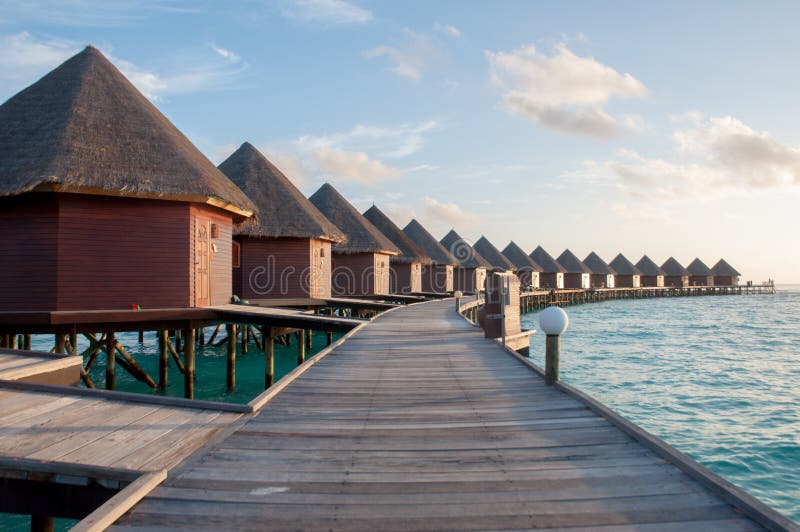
{"x":552,"y":274}
{"x":675,"y":275}
{"x":628,"y":275}
{"x":438,"y":277}
{"x":499,"y":262}
{"x":651,"y":274}
{"x":406,"y":268}
{"x":577,"y":274}
{"x":104,"y":204}
{"x":284,"y":252}
{"x":700,"y":274}
{"x":603,"y":275}
{"x":725,"y":274}
{"x":527,"y":269}
{"x":360,"y":264}
{"x":470,"y":274}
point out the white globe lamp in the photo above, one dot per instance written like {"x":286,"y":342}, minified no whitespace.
{"x":553,"y":321}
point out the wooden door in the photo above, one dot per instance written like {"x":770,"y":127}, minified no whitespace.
{"x":202,"y":259}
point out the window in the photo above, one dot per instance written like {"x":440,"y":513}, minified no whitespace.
{"x":236,"y":251}
{"x":321,"y":252}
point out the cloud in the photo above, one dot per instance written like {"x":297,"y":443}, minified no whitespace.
{"x":353,"y":166}
{"x":446,"y":212}
{"x":447,"y":29}
{"x":326,"y":12}
{"x":386,"y":142}
{"x":97,"y":13}
{"x":24,"y":58}
{"x":291,"y":165}
{"x":637,"y":215}
{"x":564,"y":92}
{"x":410,"y":58}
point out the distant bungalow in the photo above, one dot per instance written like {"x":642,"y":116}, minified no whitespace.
{"x":406,"y":268}
{"x":603,"y":275}
{"x":576,"y":274}
{"x":725,"y":274}
{"x":527,"y":269}
{"x":361,"y":264}
{"x":627,"y":274}
{"x":651,"y":274}
{"x":470,"y":273}
{"x":552,"y":274}
{"x":700,"y":274}
{"x":438,"y":277}
{"x":104,"y":204}
{"x":675,"y":274}
{"x":493,"y":256}
{"x":286,"y":251}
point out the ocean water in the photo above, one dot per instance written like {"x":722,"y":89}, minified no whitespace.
{"x":717,"y":377}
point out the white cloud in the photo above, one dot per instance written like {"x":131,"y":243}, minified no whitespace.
{"x":326,"y":12}
{"x":100,"y":13}
{"x":386,"y":142}
{"x":446,"y":212}
{"x":565,"y":92}
{"x":639,"y":215}
{"x":24,"y":58}
{"x":411,"y":58}
{"x":447,"y":29}
{"x":290,"y":164}
{"x":352,"y":165}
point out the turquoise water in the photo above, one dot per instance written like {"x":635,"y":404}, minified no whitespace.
{"x":717,"y":377}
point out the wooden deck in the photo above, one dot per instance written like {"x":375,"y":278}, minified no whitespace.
{"x":37,"y":367}
{"x":419,"y":423}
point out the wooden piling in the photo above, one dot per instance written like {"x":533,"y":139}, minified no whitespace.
{"x":245,"y":338}
{"x":269,"y":354}
{"x":163,"y":359}
{"x":301,"y":347}
{"x":111,"y":347}
{"x":309,"y":341}
{"x":42,"y":523}
{"x":61,"y":340}
{"x":230,"y":373}
{"x":27,"y":345}
{"x":141,"y":337}
{"x":201,"y":337}
{"x":73,"y":343}
{"x":188,"y":357}
{"x":329,"y":337}
{"x":552,"y":354}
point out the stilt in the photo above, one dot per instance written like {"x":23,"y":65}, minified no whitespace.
{"x":188,"y":358}
{"x":12,"y":341}
{"x":27,"y":345}
{"x":61,"y":340}
{"x":309,"y":341}
{"x":163,"y":359}
{"x":134,"y":368}
{"x":329,"y":337}
{"x":201,"y":334}
{"x":141,"y":337}
{"x":230,"y":373}
{"x":214,"y":334}
{"x":301,"y":347}
{"x":42,"y":523}
{"x":73,"y":343}
{"x":178,"y":342}
{"x":269,"y":354}
{"x":111,"y":346}
{"x":245,"y":338}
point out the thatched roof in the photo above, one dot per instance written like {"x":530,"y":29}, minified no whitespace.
{"x":427,"y":243}
{"x":698,"y":267}
{"x":362,"y":236}
{"x":674,"y":268}
{"x":520,"y":259}
{"x":571,"y":263}
{"x":465,"y":254}
{"x":723,"y":268}
{"x":493,"y":255}
{"x":85,"y":128}
{"x":546,"y":261}
{"x":409,"y":251}
{"x":283,"y":211}
{"x":623,"y":266}
{"x":597,"y":265}
{"x":648,"y":267}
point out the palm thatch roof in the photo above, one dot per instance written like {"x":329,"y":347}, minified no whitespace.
{"x":723,"y":268}
{"x":623,"y":266}
{"x":493,"y":255}
{"x":698,"y":267}
{"x":674,"y":268}
{"x":427,"y":243}
{"x":465,"y":254}
{"x":362,"y":236}
{"x":409,"y":251}
{"x":85,"y":128}
{"x":546,"y":261}
{"x":597,"y":265}
{"x":648,"y":267}
{"x":571,"y":263}
{"x":283,"y":211}
{"x":520,"y":259}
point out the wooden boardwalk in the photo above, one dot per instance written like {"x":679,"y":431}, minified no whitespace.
{"x":28,"y":365}
{"x":419,"y":423}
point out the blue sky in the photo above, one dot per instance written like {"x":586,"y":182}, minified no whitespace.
{"x":666,"y":129}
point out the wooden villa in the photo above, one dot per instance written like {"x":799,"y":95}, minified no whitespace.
{"x":576,"y":274}
{"x":405,"y":268}
{"x":603,"y":275}
{"x":552,"y":274}
{"x":628,"y":275}
{"x":470,"y":274}
{"x":438,"y":277}
{"x":700,"y":274}
{"x":651,"y":275}
{"x":360,"y":264}
{"x":284,"y":252}
{"x":725,"y":274}
{"x":104,"y":204}
{"x":498,"y":261}
{"x":675,"y":275}
{"x":527,"y":269}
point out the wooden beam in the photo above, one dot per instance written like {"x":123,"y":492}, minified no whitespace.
{"x":188,"y":357}
{"x":138,"y":371}
{"x":269,"y":353}
{"x":230,"y":368}
{"x":301,"y":347}
{"x":163,"y":359}
{"x":111,"y":345}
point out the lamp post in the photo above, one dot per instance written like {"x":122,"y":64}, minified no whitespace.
{"x":458,"y":295}
{"x":553,"y":321}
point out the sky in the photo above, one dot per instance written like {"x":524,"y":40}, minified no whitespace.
{"x":666,"y":129}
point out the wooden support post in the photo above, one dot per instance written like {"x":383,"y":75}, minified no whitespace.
{"x":175,"y":356}
{"x":214,"y":334}
{"x":61,"y":340}
{"x":301,"y":347}
{"x":111,"y":347}
{"x":188,"y":362}
{"x":309,"y":341}
{"x":230,"y":373}
{"x":245,"y":338}
{"x":163,"y":359}
{"x":201,"y":333}
{"x":269,"y":354}
{"x":42,"y":523}
{"x":141,"y":337}
{"x":258,"y":343}
{"x":27,"y":342}
{"x":136,"y":370}
{"x":329,"y":337}
{"x":552,"y":355}
{"x":12,"y":341}
{"x":178,"y":342}
{"x":73,"y":343}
